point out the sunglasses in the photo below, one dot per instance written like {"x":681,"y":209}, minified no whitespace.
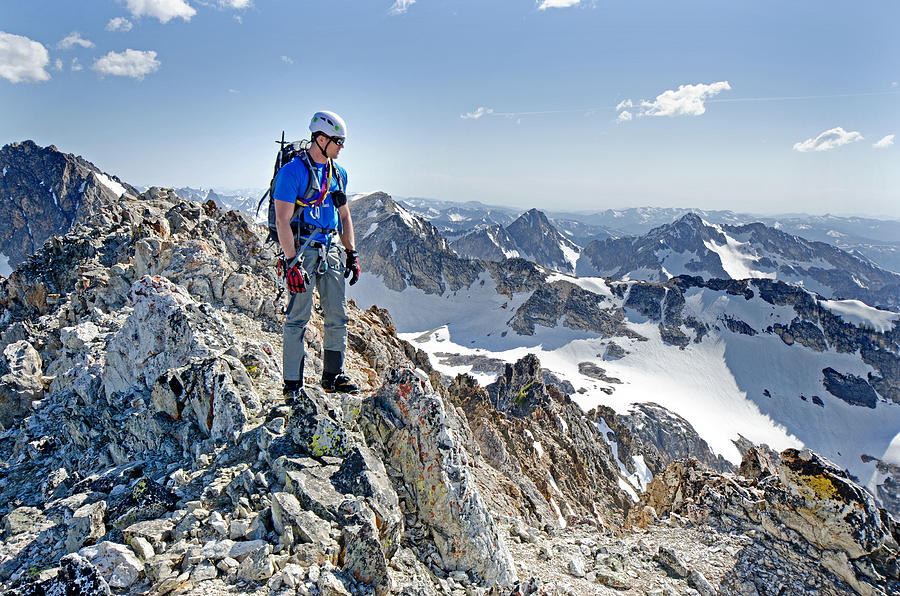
{"x":339,"y":141}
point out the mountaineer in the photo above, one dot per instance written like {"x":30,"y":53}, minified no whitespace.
{"x":311,"y":212}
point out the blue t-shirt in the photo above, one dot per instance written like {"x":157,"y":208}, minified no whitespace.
{"x":292,"y":181}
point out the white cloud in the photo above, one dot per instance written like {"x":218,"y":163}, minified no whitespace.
{"x":885,"y":142}
{"x":233,"y":91}
{"x":58,"y":64}
{"x":687,"y":100}
{"x":130,"y":63}
{"x":894,"y":84}
{"x":286,"y":60}
{"x":830,"y":139}
{"x":119,"y":24}
{"x":545,"y":4}
{"x":482,"y":111}
{"x":235,"y":4}
{"x":401,"y":6}
{"x":624,"y":104}
{"x":164,"y":10}
{"x":624,"y":116}
{"x":76,"y":66}
{"x":74,"y":39}
{"x":22,"y":59}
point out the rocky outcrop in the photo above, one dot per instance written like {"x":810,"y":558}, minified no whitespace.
{"x":45,"y":193}
{"x":849,"y":388}
{"x":559,"y":460}
{"x":661,"y":437}
{"x":575,"y":308}
{"x":808,"y":503}
{"x":164,"y":456}
{"x":418,"y":437}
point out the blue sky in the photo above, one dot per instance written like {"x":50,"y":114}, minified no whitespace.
{"x":765,"y":107}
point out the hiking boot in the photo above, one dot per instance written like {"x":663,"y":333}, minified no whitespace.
{"x":338,"y":383}
{"x":290,"y":389}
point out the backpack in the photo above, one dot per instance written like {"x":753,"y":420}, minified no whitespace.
{"x":288,"y":151}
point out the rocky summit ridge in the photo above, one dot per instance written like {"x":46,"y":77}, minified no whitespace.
{"x":146,"y":448}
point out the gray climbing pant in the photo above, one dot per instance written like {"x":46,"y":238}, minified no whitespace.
{"x":329,"y":279}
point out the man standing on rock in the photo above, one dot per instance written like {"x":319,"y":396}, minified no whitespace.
{"x":312,"y":258}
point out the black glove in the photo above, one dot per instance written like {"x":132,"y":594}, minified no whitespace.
{"x":352,"y":266}
{"x":294,"y":276}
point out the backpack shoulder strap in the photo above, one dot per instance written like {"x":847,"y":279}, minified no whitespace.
{"x":342,"y":184}
{"x":312,"y":186}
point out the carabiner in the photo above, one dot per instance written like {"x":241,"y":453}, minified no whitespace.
{"x":323,"y":261}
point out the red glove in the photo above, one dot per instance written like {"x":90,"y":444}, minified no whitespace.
{"x":294,"y":276}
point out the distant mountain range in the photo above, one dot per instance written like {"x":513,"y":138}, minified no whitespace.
{"x":692,"y":246}
{"x":873,"y":239}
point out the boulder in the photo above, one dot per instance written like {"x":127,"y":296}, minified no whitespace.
{"x":314,"y":493}
{"x":258,"y":566}
{"x":115,"y":562}
{"x":824,"y":505}
{"x":671,"y":562}
{"x":86,"y":526}
{"x":215,"y":392}
{"x":315,"y":427}
{"x":22,"y":384}
{"x":288,"y":514}
{"x":363,"y":558}
{"x":146,"y":499}
{"x":76,"y":577}
{"x":25,"y":519}
{"x":363,"y":474}
{"x":77,"y":337}
{"x":154,"y":530}
{"x":166,"y":330}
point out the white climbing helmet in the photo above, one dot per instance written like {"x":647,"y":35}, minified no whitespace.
{"x":328,"y":123}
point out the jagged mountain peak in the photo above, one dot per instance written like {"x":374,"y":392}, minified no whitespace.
{"x":534,"y":218}
{"x":45,"y":192}
{"x":531,"y":236}
{"x":404,"y":249}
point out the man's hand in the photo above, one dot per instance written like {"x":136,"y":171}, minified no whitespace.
{"x":352,"y":266}
{"x":294,"y":276}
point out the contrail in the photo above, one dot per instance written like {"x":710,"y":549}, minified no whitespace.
{"x":790,"y":97}
{"x":731,"y":100}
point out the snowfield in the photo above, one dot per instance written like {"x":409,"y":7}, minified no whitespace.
{"x":857,"y":313}
{"x":111,"y":184}
{"x":5,"y":269}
